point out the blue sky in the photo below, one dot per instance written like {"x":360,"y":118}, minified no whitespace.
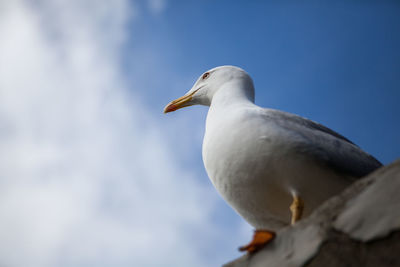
{"x":93,"y":174}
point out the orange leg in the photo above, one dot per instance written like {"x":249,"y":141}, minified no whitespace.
{"x":260,"y":239}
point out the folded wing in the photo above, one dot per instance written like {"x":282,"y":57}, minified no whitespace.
{"x":325,"y":145}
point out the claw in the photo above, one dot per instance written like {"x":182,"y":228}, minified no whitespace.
{"x":260,"y":239}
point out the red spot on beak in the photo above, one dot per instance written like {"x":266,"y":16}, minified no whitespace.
{"x":170,"y":108}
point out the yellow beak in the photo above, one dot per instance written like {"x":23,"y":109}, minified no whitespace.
{"x":181,"y":102}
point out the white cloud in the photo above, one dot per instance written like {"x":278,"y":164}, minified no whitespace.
{"x":86,"y":178}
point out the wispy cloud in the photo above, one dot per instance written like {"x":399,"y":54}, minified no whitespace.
{"x":86,"y":176}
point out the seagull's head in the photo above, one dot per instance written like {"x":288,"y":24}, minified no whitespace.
{"x":209,"y":83}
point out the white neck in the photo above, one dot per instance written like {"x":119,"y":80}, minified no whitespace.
{"x":234,"y":92}
{"x":228,"y":99}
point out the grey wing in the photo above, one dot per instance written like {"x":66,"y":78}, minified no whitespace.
{"x":325,"y":145}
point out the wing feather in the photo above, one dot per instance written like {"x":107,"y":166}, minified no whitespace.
{"x":325,"y":145}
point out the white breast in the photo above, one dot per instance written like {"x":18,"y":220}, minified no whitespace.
{"x":255,"y":170}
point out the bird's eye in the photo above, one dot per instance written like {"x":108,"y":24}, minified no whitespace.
{"x":205,"y":75}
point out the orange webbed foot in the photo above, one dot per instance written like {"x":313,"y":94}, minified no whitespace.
{"x":260,"y":239}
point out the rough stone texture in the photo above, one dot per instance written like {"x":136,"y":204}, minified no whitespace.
{"x":360,"y":227}
{"x":341,"y":250}
{"x":376,"y":211}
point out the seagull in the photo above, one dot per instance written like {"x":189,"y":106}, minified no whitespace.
{"x":272,"y":167}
